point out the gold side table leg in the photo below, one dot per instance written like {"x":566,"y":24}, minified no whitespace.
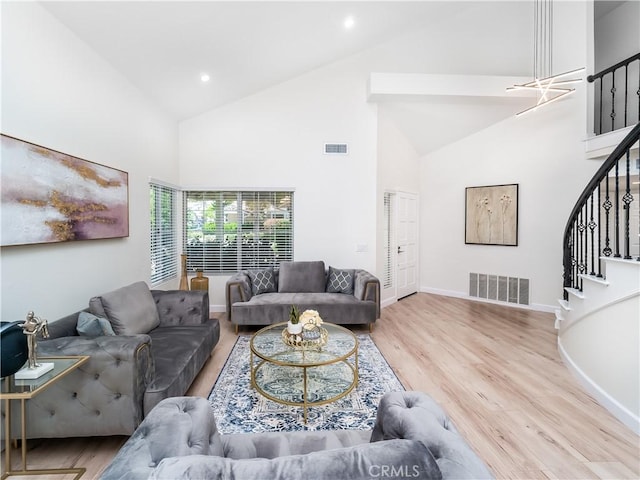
{"x":23,"y":432}
{"x":7,"y":436}
{"x":304,"y":398}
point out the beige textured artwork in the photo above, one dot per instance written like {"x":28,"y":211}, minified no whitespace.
{"x":492,"y":215}
{"x":48,"y":196}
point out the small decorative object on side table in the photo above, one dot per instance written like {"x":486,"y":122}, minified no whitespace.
{"x":31,"y":327}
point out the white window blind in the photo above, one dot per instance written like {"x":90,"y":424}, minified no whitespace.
{"x":387,"y":272}
{"x":164,"y":248}
{"x":226,"y":232}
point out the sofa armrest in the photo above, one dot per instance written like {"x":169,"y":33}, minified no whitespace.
{"x":416,"y":416}
{"x":367,"y":288}
{"x":102,"y":397}
{"x":238,"y":289}
{"x":177,"y":426}
{"x":181,"y":307}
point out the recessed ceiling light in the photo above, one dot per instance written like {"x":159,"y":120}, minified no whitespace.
{"x":349,"y":22}
{"x":205,"y":77}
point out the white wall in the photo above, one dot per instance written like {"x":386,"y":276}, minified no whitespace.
{"x":56,"y":92}
{"x":616,"y":35}
{"x":542,"y":152}
{"x":398,"y":171}
{"x":275,"y":139}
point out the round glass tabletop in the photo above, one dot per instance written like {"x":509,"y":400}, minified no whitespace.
{"x":267,"y":344}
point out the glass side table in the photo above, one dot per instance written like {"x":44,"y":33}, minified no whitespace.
{"x":23,"y":390}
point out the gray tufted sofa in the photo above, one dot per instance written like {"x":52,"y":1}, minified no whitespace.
{"x":127,"y":374}
{"x":412,"y":438}
{"x":306,"y":285}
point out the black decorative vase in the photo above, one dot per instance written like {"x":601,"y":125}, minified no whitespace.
{"x":13,"y":348}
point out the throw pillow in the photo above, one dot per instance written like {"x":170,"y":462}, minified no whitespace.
{"x":262,"y":281}
{"x":131,"y":310}
{"x":90,"y":325}
{"x":302,"y":277}
{"x":340,"y":281}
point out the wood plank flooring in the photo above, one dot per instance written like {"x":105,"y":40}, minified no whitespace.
{"x":494,"y":369}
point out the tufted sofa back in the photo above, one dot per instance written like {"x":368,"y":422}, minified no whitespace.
{"x":416,"y":416}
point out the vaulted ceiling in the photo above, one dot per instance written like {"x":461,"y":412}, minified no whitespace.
{"x":164,"y":47}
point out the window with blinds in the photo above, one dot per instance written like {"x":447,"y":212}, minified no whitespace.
{"x":225,"y":232}
{"x":164,"y":248}
{"x":387,"y":271}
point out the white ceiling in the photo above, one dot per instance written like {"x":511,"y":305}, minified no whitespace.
{"x":163,"y":47}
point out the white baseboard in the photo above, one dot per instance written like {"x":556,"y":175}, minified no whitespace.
{"x":607,"y":401}
{"x":451,"y":293}
{"x":387,"y":302}
{"x":217,"y":308}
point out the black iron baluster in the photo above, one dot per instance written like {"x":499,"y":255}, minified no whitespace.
{"x":600,"y":126}
{"x":576,"y":260}
{"x":607,"y":209}
{"x":599,"y":232}
{"x":613,"y":100}
{"x":592,"y":227}
{"x":616,"y":215}
{"x":583,"y":253}
{"x":626,"y":92}
{"x":627,"y":199}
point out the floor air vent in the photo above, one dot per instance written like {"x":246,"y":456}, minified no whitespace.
{"x":496,"y":287}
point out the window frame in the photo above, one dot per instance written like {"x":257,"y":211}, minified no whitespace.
{"x":163,"y":248}
{"x":234,"y":230}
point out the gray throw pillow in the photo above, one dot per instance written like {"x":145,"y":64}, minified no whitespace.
{"x":262,"y":281}
{"x":131,"y":310}
{"x":90,"y":325}
{"x":302,"y":277}
{"x":340,"y":281}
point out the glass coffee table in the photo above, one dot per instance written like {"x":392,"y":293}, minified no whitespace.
{"x":304,"y":377}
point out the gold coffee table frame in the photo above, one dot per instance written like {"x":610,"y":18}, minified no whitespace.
{"x":23,"y":390}
{"x":303,"y":358}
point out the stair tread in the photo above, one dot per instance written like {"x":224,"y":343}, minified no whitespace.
{"x":564,"y":304}
{"x":574,"y":291}
{"x":594,"y":279}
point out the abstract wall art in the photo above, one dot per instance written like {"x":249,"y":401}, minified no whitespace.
{"x":48,"y":196}
{"x":491,"y":215}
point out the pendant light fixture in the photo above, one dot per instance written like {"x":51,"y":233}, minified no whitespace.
{"x":549,"y":87}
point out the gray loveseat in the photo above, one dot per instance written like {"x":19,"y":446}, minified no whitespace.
{"x":412,"y":438}
{"x":162,"y":340}
{"x":264,"y":296}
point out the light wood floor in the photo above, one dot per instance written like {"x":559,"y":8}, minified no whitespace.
{"x":494,"y":369}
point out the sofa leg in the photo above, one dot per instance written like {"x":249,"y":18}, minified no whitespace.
{"x":370,"y":327}
{"x":237,"y":328}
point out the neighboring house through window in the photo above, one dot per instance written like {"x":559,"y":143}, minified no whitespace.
{"x":228,"y":231}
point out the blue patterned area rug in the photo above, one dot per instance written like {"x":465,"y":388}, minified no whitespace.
{"x":240,"y":409}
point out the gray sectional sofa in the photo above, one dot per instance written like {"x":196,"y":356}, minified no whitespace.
{"x":151,"y":346}
{"x":265,"y":296}
{"x":412,"y":438}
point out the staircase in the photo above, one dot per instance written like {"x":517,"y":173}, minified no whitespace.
{"x":598,"y":320}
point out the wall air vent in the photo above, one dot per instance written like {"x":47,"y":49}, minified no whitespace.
{"x":499,"y":288}
{"x":336,"y":149}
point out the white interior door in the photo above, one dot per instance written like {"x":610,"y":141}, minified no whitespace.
{"x":407,"y":244}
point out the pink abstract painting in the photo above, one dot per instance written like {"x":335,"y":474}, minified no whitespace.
{"x":48,"y":196}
